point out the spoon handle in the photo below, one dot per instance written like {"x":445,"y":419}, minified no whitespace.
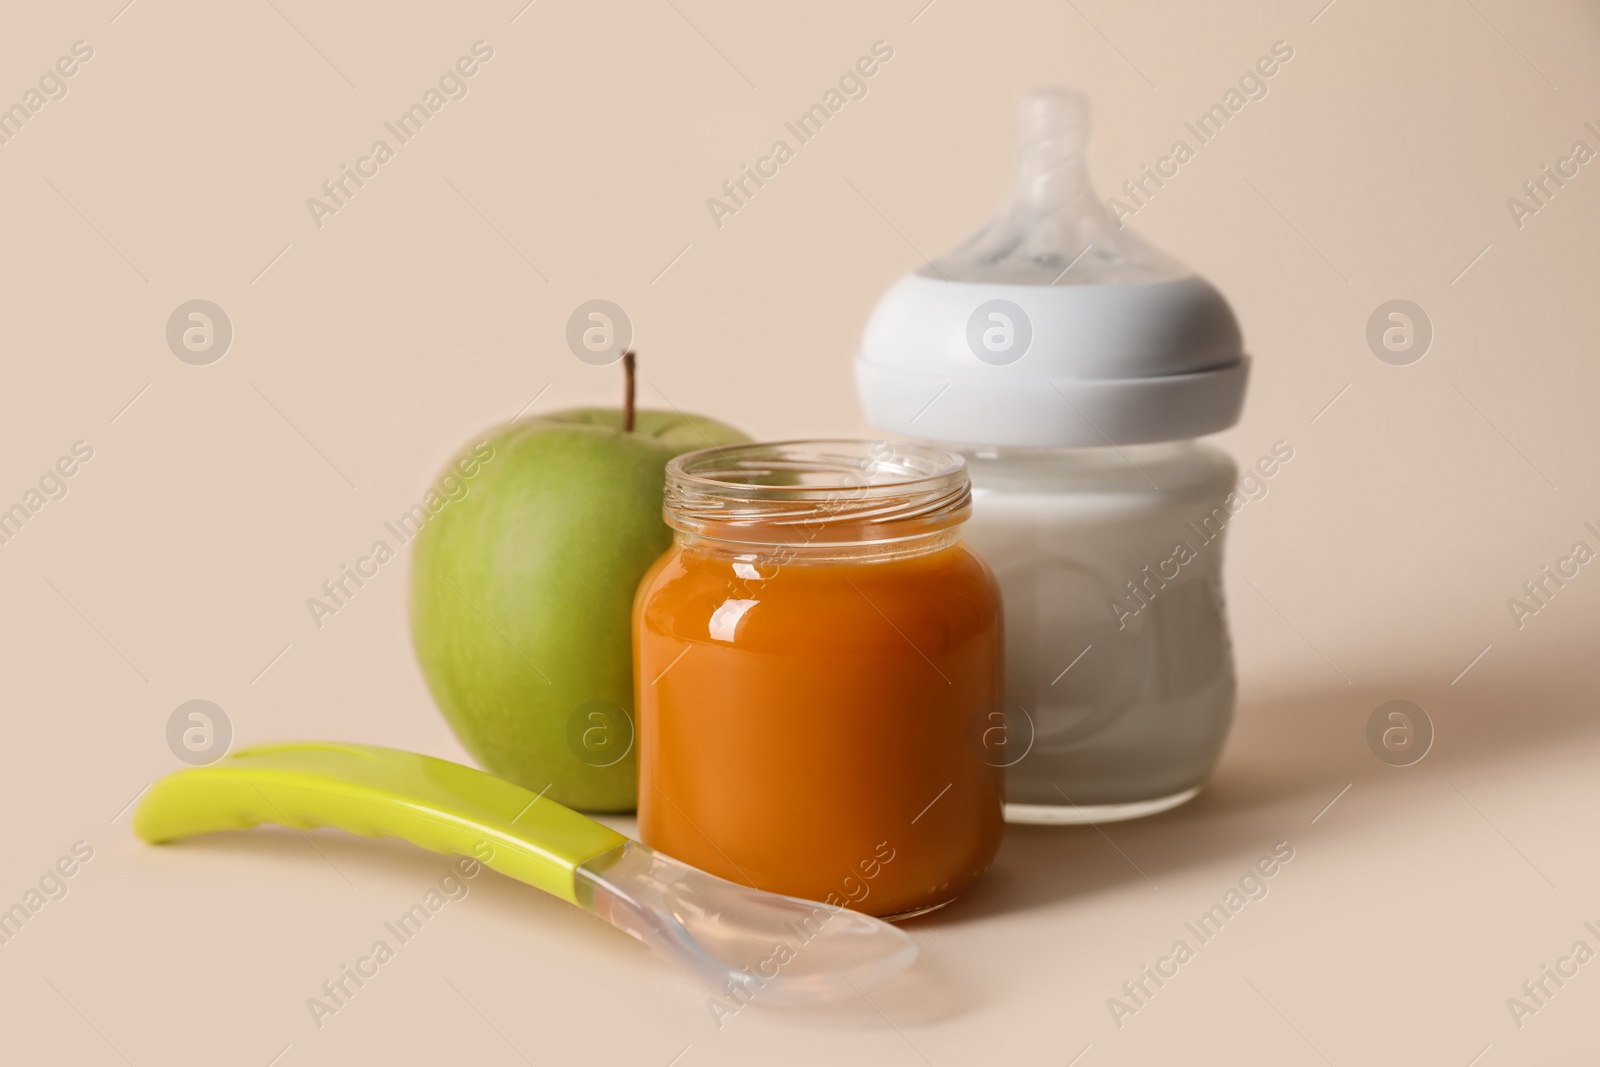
{"x":382,"y":792}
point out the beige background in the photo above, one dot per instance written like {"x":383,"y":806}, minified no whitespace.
{"x":433,"y":304}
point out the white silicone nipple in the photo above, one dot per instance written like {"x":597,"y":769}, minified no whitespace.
{"x":1055,"y":231}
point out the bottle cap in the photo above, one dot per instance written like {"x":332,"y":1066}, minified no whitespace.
{"x":1054,"y":326}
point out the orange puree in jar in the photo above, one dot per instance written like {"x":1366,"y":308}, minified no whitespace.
{"x":815,"y":663}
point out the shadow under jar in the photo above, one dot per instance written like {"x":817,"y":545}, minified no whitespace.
{"x":815,"y":661}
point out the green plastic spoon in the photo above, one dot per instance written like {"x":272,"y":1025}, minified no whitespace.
{"x":776,"y":949}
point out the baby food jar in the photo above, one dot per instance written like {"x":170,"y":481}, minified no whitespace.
{"x":815,"y":661}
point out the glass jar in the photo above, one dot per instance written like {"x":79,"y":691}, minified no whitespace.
{"x":814,"y":662}
{"x":1119,"y":666}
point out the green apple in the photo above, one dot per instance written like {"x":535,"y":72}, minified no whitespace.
{"x":522,"y":594}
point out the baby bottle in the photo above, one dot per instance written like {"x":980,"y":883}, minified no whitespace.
{"x":1073,"y":365}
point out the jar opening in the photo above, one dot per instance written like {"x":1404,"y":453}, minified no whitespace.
{"x":827,"y":492}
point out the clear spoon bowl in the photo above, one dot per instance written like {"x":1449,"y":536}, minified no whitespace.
{"x":747,"y":942}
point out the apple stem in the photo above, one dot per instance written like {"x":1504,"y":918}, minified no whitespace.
{"x":627,"y":391}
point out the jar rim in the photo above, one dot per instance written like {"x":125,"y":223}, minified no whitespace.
{"x":827,"y":491}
